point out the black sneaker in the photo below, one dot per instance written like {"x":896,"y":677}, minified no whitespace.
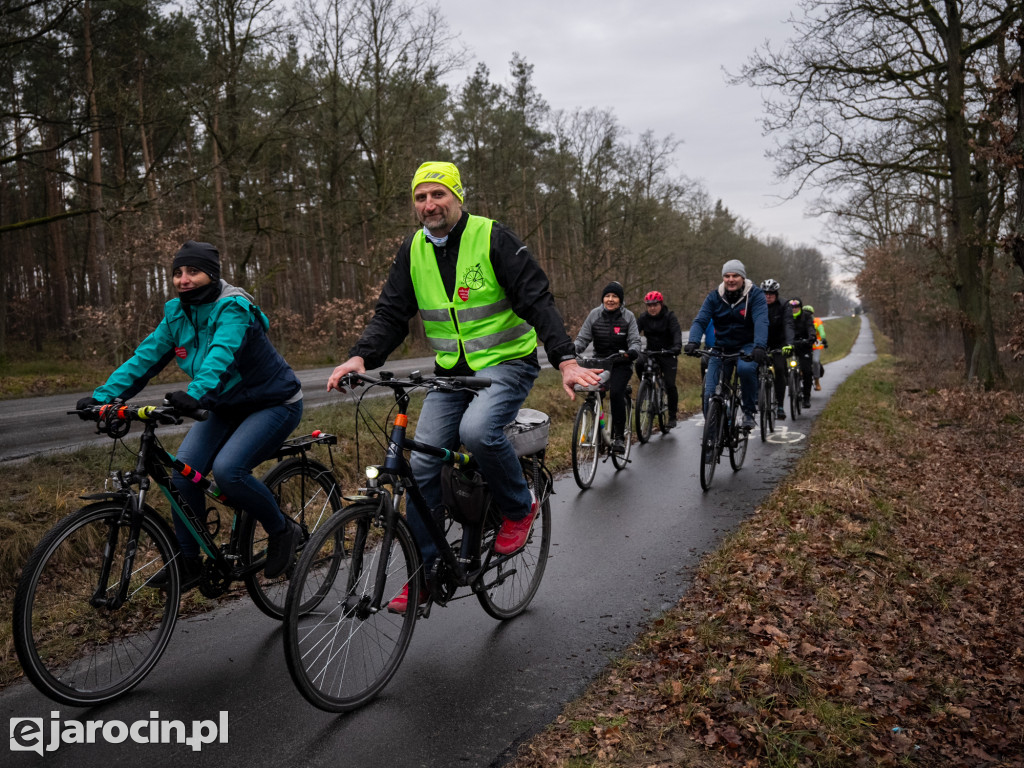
{"x":190,"y":573}
{"x":281,"y":549}
{"x":806,"y":403}
{"x":672,"y":424}
{"x":618,"y":446}
{"x":780,"y":414}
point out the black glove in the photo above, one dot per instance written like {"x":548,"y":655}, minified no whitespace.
{"x":632,"y":354}
{"x":86,"y":402}
{"x":759,"y":355}
{"x":690,"y":347}
{"x":674,"y":351}
{"x":182,"y":401}
{"x":824,"y":343}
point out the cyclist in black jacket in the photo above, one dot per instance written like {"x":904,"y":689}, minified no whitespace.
{"x":804,"y":336}
{"x":612,"y":328}
{"x":780,"y":336}
{"x":661,"y":328}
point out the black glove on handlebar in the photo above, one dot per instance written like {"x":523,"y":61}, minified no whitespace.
{"x":182,"y":401}
{"x":690,"y":347}
{"x":83,"y":404}
{"x":759,"y":355}
{"x":632,"y":354}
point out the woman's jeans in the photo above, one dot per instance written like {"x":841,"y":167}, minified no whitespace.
{"x":449,"y":419}
{"x":748,"y":379}
{"x":231,"y":449}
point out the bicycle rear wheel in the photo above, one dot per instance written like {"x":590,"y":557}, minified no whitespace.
{"x":739,"y":438}
{"x":620,"y":460}
{"x":307,"y":492}
{"x":511,"y":585}
{"x":584,"y":444}
{"x":340,"y":647}
{"x":645,"y":410}
{"x":710,"y":443}
{"x":72,"y":650}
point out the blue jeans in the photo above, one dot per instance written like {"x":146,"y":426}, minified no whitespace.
{"x":449,"y":419}
{"x":231,"y":448}
{"x":748,"y":379}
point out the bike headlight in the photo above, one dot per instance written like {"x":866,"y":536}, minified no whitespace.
{"x":372,"y":473}
{"x":792,"y":362}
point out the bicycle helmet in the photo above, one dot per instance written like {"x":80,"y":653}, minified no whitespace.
{"x":654,"y":296}
{"x":770,"y":286}
{"x":808,"y":307}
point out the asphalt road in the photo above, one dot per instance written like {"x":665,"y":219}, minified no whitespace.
{"x":37,"y":425}
{"x":470,"y":689}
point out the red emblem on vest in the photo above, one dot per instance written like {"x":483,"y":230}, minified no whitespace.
{"x":181,"y":352}
{"x":464,"y":293}
{"x":617,"y":329}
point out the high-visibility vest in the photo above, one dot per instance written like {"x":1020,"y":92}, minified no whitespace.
{"x":478,"y":318}
{"x":819,"y":334}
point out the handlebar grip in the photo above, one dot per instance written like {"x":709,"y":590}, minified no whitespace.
{"x":474,"y":382}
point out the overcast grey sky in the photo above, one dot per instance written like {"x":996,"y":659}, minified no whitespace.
{"x":658,"y":66}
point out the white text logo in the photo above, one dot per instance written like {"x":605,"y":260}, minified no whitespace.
{"x":29,"y":734}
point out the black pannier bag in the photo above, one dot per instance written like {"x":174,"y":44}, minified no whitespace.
{"x":465,"y":494}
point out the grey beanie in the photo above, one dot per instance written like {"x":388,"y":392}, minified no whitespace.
{"x":734,"y":265}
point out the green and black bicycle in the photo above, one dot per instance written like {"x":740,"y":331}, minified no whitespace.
{"x":89,"y":624}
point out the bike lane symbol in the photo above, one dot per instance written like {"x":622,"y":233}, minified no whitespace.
{"x":783,"y":435}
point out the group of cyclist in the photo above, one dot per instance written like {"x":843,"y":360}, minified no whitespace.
{"x":485,"y":303}
{"x":754,"y":321}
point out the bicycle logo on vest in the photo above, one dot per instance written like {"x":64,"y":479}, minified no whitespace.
{"x":473,"y":279}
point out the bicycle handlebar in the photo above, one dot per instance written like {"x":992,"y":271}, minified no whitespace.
{"x":115,"y":418}
{"x":717,"y":352}
{"x":619,"y":358}
{"x":444,"y":383}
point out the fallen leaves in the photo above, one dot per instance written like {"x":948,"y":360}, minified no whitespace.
{"x":868,"y":614}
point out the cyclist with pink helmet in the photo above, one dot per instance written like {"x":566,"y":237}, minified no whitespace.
{"x":663,"y":332}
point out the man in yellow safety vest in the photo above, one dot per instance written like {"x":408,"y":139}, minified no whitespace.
{"x":484,"y":302}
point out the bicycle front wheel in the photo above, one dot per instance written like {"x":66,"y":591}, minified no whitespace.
{"x":584,"y":444}
{"x":794,"y":395}
{"x":620,"y":460}
{"x":645,"y":410}
{"x":72,"y":647}
{"x":342,"y":647}
{"x":307,"y":492}
{"x":770,"y":400}
{"x":710,"y":443}
{"x":507,"y":589}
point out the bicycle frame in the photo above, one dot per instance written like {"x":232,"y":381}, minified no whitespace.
{"x":154,"y":464}
{"x":465,"y":567}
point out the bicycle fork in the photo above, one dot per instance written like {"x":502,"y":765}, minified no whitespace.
{"x":99,"y":597}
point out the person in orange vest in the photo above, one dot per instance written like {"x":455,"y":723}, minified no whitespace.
{"x":820,"y":343}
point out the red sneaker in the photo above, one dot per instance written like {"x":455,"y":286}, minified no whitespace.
{"x":513,"y":534}
{"x":401,"y":602}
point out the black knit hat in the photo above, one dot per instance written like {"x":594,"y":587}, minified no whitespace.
{"x":199,"y":255}
{"x":616,"y":288}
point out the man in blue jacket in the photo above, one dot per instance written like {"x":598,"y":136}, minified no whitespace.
{"x":740,"y":315}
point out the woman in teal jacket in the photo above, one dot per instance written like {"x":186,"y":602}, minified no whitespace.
{"x":218,"y":337}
